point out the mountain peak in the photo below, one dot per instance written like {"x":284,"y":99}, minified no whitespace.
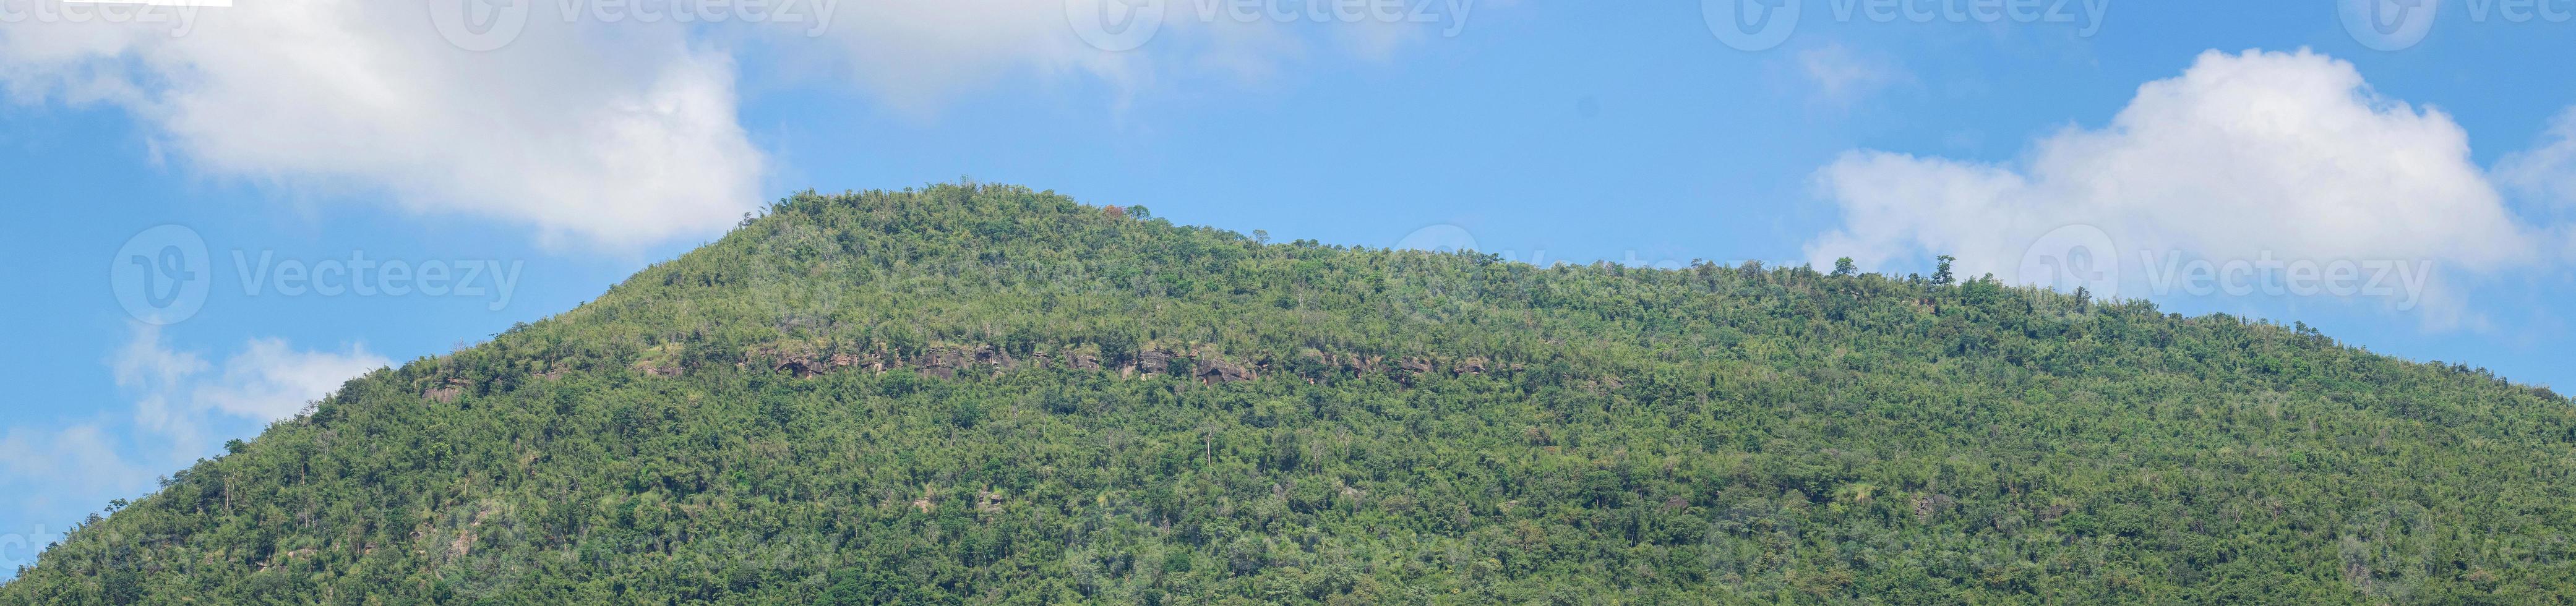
{"x":988,"y":394}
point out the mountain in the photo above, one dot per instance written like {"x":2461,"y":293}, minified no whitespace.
{"x":993,"y":395}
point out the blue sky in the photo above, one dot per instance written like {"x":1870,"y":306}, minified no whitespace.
{"x":556,"y":156}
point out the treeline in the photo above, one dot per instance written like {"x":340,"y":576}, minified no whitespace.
{"x":763,"y":421}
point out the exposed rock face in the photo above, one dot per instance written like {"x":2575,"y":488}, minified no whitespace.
{"x":661,"y":361}
{"x":1154,"y":360}
{"x":1213,"y":370}
{"x":995,"y":356}
{"x":1410,"y":370}
{"x":1204,"y":364}
{"x":1926,"y":506}
{"x":799,"y":359}
{"x":943,"y":362}
{"x":447,"y":392}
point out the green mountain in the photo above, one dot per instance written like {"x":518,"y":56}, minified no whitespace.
{"x":991,"y":395}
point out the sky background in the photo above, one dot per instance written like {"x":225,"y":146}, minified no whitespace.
{"x":571,"y":152}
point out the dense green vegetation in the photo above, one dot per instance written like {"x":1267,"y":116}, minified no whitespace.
{"x":980,"y":394}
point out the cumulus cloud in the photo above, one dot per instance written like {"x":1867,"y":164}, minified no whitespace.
{"x":617,"y":137}
{"x":2249,"y":156}
{"x":609,"y":123}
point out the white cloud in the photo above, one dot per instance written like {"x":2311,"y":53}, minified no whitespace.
{"x":269,"y":380}
{"x":178,"y":395}
{"x":182,"y":406}
{"x":615,"y":131}
{"x":915,"y":54}
{"x":2547,"y":172}
{"x":75,"y":468}
{"x":1842,"y":76}
{"x":154,"y":373}
{"x":2244,"y":155}
{"x":617,"y":137}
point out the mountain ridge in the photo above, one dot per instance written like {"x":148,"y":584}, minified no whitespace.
{"x":989,"y":394}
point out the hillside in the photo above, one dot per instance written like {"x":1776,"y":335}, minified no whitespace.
{"x":992,"y":395}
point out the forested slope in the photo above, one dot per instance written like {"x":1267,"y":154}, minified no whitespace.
{"x":986,"y":394}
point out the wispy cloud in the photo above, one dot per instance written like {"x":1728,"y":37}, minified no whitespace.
{"x":2546,"y":173}
{"x":182,"y":405}
{"x":177,"y":393}
{"x":1842,"y":76}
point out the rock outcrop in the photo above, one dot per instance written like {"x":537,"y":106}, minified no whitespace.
{"x":1214,"y":371}
{"x":1204,"y":364}
{"x":448,"y":391}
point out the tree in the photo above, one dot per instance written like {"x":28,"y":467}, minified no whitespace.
{"x":1941,"y":273}
{"x":1845,"y":267}
{"x":1261,"y":236}
{"x":1784,"y":421}
{"x":860,"y":587}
